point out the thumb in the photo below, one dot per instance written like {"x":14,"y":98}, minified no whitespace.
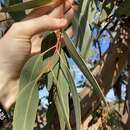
{"x":40,"y":24}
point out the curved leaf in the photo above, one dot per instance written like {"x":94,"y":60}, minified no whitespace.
{"x":82,"y":65}
{"x":87,"y":13}
{"x":61,"y":99}
{"x":73,"y":90}
{"x":33,"y":68}
{"x":26,"y":107}
{"x":60,"y":112}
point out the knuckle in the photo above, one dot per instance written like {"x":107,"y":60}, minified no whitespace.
{"x":16,"y":27}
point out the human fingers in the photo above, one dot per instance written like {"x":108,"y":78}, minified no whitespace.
{"x":62,"y":9}
{"x":48,"y":9}
{"x":41,"y":24}
{"x":35,"y":44}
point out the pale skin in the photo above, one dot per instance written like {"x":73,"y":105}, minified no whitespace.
{"x":16,"y":46}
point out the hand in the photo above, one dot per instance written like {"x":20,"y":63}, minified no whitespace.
{"x":15,"y":46}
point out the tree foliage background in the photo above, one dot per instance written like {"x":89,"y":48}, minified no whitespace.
{"x":95,"y":21}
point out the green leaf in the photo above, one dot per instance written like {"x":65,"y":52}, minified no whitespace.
{"x":25,"y":5}
{"x":64,"y":89}
{"x":73,"y":90}
{"x":59,"y":86}
{"x":82,"y":65}
{"x":86,"y":18}
{"x":63,"y":82}
{"x":26,"y":107}
{"x":33,"y":68}
{"x":60,"y":113}
{"x":49,"y":81}
{"x":86,"y":40}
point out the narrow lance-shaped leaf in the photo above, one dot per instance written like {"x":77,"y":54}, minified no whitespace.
{"x":73,"y":90}
{"x":49,"y":81}
{"x":25,"y":5}
{"x":55,"y":68}
{"x":87,"y":13}
{"x":60,"y":112}
{"x":82,"y":65}
{"x":63,"y":81}
{"x":28,"y":95}
{"x":37,"y":63}
{"x":61,"y":98}
{"x":33,"y":68}
{"x":64,"y":90}
{"x":26,"y":107}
